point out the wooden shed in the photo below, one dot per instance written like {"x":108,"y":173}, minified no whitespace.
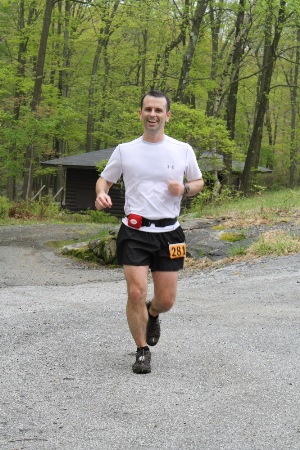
{"x":80,"y":176}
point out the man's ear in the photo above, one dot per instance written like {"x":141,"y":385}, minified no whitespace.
{"x":168,"y":116}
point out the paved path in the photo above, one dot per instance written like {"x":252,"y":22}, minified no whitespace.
{"x":225,"y":374}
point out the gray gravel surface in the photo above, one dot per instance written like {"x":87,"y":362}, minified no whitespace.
{"x":225,"y":374}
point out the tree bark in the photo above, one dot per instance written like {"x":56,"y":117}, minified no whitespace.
{"x":190,"y":51}
{"x":215,"y":24}
{"x":269,"y":60}
{"x":294,"y":149}
{"x":104,"y":36}
{"x":231,"y":104}
{"x":36,"y":97}
{"x":18,"y":97}
{"x":163,"y":58}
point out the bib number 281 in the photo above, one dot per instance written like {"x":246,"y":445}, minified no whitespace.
{"x":177,"y":250}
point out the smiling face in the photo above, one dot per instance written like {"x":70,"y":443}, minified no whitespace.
{"x":154,"y":116}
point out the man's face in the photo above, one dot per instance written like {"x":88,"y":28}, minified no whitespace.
{"x":154,"y":114}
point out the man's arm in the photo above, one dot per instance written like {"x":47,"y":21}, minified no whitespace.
{"x":188,"y":189}
{"x":103,"y":200}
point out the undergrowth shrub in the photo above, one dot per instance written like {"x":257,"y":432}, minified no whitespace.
{"x":47,"y":209}
{"x":44,"y":208}
{"x":5,"y":206}
{"x":102,"y":217}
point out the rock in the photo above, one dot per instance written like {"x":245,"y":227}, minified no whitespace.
{"x":105,"y":249}
{"x":205,"y":242}
{"x":69,"y":249}
{"x":196,"y":224}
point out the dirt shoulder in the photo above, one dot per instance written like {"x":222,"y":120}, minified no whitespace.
{"x":27,"y":258}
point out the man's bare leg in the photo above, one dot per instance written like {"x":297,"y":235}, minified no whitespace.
{"x":137,"y":316}
{"x":165,"y":288}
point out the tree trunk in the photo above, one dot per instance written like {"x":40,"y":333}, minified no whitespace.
{"x":215,"y":24}
{"x":231,"y":104}
{"x":37,"y":91}
{"x":294,"y":150}
{"x":190,"y":51}
{"x":18,"y":97}
{"x":63,"y":87}
{"x":103,"y":40}
{"x":162,"y":60}
{"x":269,"y":60}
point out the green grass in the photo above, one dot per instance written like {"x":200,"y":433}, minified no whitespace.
{"x":230,"y":236}
{"x":237,"y":250}
{"x":268,"y":205}
{"x":45,"y":210}
{"x":267,"y":208}
{"x":275,"y":243}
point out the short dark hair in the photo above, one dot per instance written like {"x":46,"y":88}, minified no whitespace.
{"x":157,"y":94}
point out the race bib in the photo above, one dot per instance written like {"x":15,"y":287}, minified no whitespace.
{"x":177,"y":250}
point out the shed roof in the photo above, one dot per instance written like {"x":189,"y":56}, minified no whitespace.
{"x":207,"y":161}
{"x":83,"y":160}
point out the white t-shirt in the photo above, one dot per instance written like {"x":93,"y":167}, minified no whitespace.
{"x":147,"y":168}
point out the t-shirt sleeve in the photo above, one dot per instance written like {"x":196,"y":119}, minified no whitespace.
{"x":113,"y":169}
{"x":192,"y":171}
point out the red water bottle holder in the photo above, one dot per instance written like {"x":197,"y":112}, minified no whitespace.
{"x":135,"y":220}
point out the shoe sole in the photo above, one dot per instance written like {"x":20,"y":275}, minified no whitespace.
{"x":151,"y":343}
{"x":141,"y":372}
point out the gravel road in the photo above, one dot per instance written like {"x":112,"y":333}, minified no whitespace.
{"x":225,"y":374}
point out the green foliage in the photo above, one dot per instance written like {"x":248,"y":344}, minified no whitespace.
{"x":139,"y":51}
{"x":186,"y":124}
{"x":45,"y":209}
{"x":207,"y":198}
{"x":101,"y":166}
{"x":267,"y":157}
{"x":102,"y":217}
{"x":5,"y":206}
{"x":267,"y":205}
{"x":41,"y":209}
{"x":202,"y":132}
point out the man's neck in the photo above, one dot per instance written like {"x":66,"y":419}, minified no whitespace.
{"x":152,"y":138}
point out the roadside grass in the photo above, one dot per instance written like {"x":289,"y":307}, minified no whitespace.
{"x":45,"y":210}
{"x":275,"y":243}
{"x":268,"y":207}
{"x":85,"y":236}
{"x":271,"y":243}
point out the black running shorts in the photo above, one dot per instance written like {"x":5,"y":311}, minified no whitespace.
{"x":141,"y":248}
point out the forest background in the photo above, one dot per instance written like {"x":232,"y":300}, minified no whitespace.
{"x":72,"y":73}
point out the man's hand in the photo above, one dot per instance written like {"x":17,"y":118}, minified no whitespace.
{"x":194,"y":187}
{"x":103,"y":201}
{"x":176,"y":188}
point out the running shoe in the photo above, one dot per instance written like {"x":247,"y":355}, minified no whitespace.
{"x":153,"y":328}
{"x":143,"y":360}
